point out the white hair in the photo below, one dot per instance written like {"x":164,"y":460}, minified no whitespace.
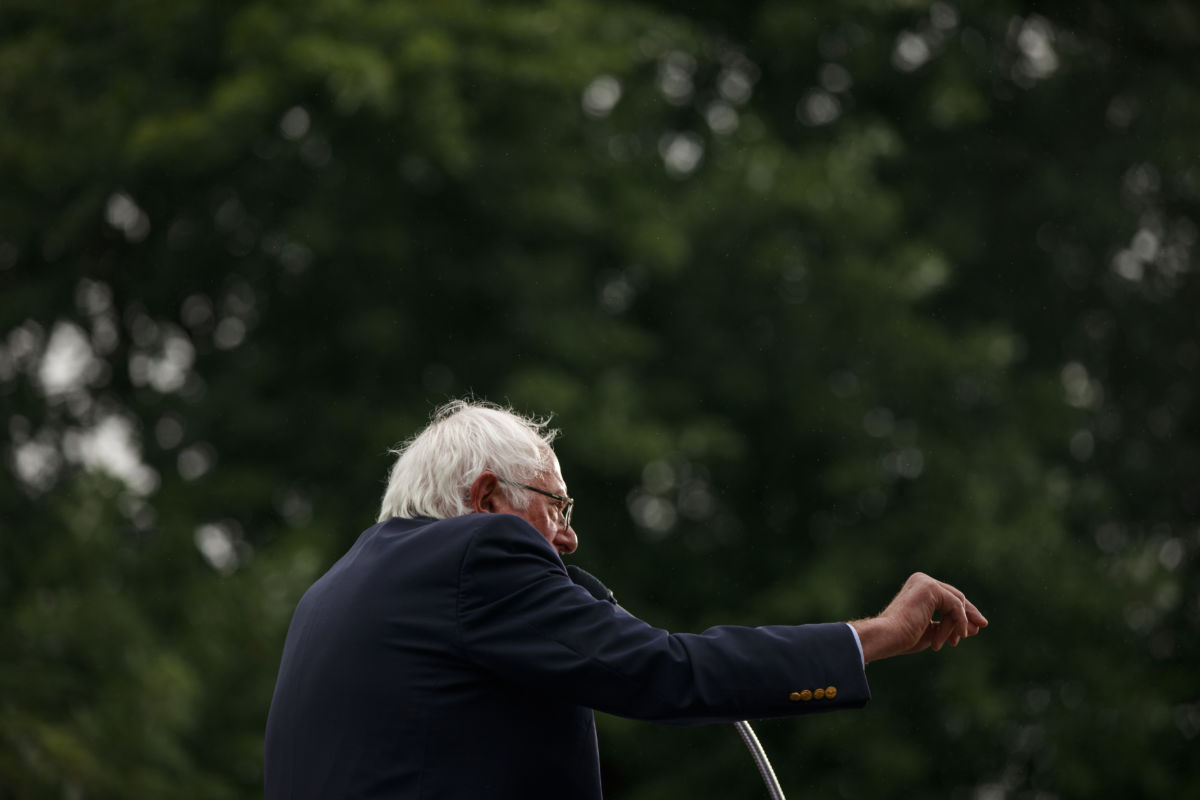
{"x":434,"y":470}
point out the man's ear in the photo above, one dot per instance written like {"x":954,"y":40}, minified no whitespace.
{"x":484,"y":494}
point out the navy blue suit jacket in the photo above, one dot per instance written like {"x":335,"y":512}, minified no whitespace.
{"x":455,"y":659}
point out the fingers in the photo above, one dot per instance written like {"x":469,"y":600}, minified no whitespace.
{"x":972,"y":618}
{"x":977,"y":619}
{"x":953,"y":624}
{"x":929,"y":638}
{"x":960,"y":618}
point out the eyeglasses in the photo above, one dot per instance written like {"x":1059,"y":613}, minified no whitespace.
{"x":568,"y":504}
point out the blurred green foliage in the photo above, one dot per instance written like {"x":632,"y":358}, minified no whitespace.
{"x":820,"y":294}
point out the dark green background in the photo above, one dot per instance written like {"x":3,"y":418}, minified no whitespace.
{"x":832,"y":293}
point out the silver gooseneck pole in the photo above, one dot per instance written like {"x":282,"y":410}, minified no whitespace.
{"x":760,"y":760}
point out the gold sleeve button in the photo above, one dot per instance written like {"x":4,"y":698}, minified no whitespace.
{"x":819,"y":694}
{"x":806,"y":695}
{"x":830,"y":692}
{"x":794,"y":696}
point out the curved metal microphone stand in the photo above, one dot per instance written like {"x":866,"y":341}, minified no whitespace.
{"x":601,"y":592}
{"x":760,"y":760}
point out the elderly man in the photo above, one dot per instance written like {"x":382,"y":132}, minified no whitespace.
{"x":449,"y":655}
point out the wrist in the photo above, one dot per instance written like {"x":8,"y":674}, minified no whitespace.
{"x":873,"y":637}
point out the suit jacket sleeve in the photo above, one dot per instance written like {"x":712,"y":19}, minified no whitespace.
{"x":521,"y":617}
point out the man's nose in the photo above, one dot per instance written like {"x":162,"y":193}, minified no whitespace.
{"x":568,"y":540}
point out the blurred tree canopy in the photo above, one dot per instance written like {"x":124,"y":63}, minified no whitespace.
{"x":820,"y":294}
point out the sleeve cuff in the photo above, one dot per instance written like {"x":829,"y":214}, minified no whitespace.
{"x":858,"y":643}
